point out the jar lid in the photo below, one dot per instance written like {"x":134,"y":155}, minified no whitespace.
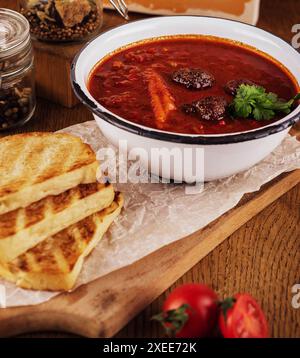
{"x":14,"y":32}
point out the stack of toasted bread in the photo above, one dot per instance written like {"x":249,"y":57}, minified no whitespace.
{"x":53,"y":212}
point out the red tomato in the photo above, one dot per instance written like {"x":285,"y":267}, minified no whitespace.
{"x":190,"y":311}
{"x":243,"y":318}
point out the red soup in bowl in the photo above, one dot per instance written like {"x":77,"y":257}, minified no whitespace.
{"x":187,"y":84}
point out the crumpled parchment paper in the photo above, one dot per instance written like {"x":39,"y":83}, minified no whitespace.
{"x":155,"y":215}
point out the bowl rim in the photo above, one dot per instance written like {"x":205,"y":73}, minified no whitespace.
{"x":183,"y":138}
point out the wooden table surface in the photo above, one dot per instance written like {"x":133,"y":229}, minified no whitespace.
{"x":262,"y":257}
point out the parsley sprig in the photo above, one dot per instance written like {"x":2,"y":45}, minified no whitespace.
{"x":255,"y":102}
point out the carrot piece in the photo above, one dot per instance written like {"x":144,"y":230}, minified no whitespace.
{"x":162,"y":101}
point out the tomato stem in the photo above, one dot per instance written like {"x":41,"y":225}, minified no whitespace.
{"x":226,"y":304}
{"x":173,"y":320}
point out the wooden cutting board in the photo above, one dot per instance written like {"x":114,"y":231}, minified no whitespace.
{"x":102,"y":307}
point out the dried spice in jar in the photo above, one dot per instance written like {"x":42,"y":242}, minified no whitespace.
{"x":63,"y":20}
{"x":17,"y":95}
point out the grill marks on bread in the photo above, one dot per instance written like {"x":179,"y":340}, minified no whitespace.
{"x":14,"y":221}
{"x":32,"y":158}
{"x":8,"y":223}
{"x":59,"y":253}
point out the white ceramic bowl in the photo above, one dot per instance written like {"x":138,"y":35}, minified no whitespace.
{"x":224,"y":154}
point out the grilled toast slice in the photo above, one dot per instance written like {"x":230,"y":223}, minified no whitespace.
{"x":55,"y":263}
{"x":24,"y":228}
{"x":35,"y":165}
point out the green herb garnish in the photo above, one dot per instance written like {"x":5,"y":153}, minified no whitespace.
{"x":255,"y":102}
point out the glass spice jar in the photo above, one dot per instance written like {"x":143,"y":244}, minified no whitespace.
{"x":63,"y":20}
{"x":17,"y":94}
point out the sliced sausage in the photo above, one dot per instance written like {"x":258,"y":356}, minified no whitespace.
{"x":193,"y":78}
{"x":210,"y":108}
{"x":232,"y":86}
